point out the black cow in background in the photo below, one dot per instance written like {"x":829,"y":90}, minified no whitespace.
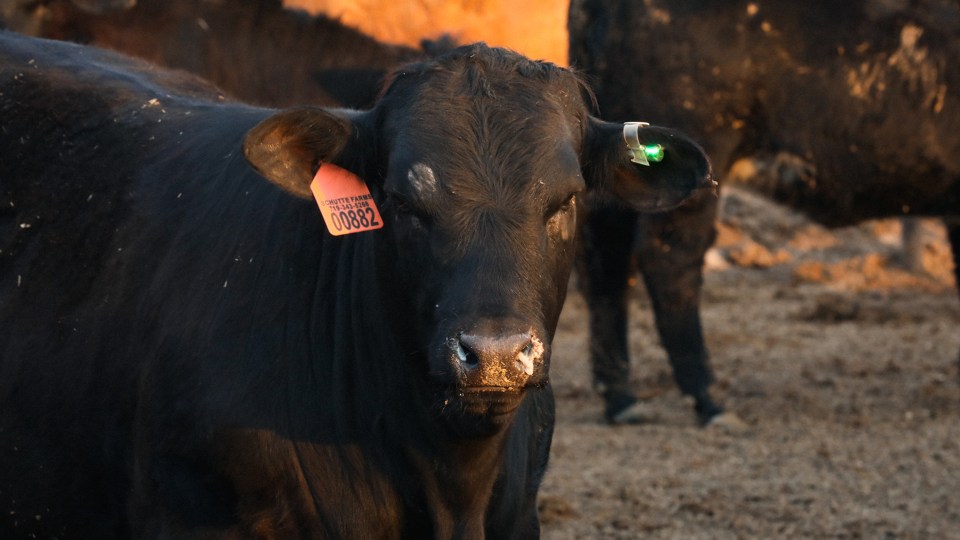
{"x":845,"y":110}
{"x":256,"y":50}
{"x":667,"y":249}
{"x":24,"y":14}
{"x":186,"y":352}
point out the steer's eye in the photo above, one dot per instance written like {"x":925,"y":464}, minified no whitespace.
{"x":405,"y":210}
{"x":563,"y":207}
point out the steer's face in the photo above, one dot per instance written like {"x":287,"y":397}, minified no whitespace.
{"x":478,"y":161}
{"x":481,"y":191}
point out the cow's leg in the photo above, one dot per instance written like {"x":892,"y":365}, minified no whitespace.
{"x":671,"y":248}
{"x":912,"y":243}
{"x":953,"y":234}
{"x":604,"y":269}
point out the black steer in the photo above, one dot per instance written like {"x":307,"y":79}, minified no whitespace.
{"x":256,"y":50}
{"x":844,"y":110}
{"x":186,"y":351}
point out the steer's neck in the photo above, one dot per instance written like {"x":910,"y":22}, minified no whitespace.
{"x":457,"y":488}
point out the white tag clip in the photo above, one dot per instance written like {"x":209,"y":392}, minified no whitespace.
{"x":631,"y":136}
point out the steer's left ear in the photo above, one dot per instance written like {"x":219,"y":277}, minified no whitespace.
{"x":288,"y":147}
{"x":611,"y":163}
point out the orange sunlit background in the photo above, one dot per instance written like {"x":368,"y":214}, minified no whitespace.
{"x":536,"y":28}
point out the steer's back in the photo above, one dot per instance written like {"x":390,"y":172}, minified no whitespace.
{"x":93,"y":149}
{"x":85,"y":136}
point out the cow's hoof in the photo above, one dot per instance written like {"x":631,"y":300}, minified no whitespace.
{"x":727,"y":421}
{"x":636,"y":413}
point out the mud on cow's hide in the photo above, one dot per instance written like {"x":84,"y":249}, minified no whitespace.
{"x":841,"y":110}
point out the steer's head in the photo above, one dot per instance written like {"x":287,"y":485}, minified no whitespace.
{"x":478,"y":161}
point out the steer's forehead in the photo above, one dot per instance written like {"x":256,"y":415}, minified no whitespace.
{"x":488,"y":125}
{"x":483,"y":156}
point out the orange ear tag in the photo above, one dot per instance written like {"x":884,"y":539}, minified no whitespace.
{"x":345,"y":201}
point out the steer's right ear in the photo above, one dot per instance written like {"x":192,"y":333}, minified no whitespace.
{"x":611,"y":165}
{"x":288,"y":147}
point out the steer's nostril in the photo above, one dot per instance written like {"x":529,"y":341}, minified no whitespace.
{"x":468,"y":356}
{"x":530,"y":355}
{"x":465,"y":354}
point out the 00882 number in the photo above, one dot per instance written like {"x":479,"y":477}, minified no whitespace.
{"x":354,"y":219}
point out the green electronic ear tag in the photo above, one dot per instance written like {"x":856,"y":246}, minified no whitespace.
{"x":640,"y":153}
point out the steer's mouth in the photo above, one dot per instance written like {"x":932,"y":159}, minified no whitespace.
{"x":479,"y":411}
{"x":490,"y":400}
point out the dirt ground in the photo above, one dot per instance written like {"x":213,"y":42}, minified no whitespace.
{"x":843,"y":363}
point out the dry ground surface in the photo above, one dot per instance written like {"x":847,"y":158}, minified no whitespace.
{"x":842,"y":362}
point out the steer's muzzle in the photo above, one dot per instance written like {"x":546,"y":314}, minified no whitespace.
{"x":505,"y":360}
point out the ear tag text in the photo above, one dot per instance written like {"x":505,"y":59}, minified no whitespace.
{"x":640,"y":153}
{"x":345,"y":201}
